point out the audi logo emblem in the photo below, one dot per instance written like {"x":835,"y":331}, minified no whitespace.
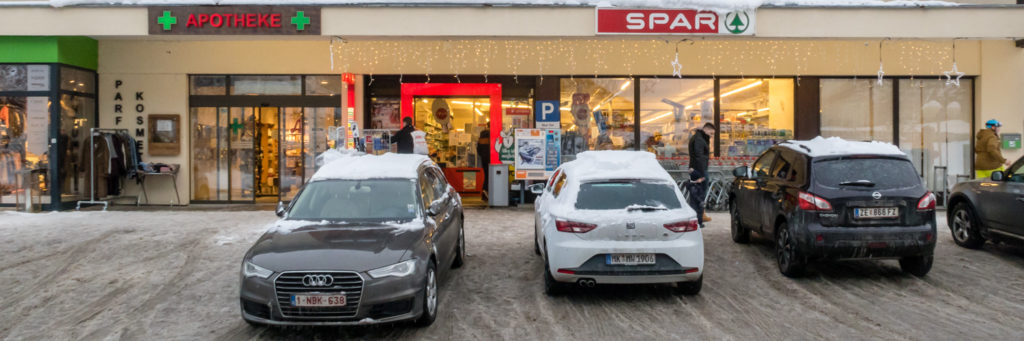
{"x":318,"y":280}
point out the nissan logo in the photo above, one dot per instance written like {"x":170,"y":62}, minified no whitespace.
{"x":876,"y":195}
{"x":317,"y":280}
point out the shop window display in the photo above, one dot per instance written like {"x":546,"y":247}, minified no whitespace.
{"x":453,"y":126}
{"x":266,"y":85}
{"x":210,"y":153}
{"x":935,"y":130}
{"x":857,"y":109}
{"x":208,"y":85}
{"x":323,"y":85}
{"x":670,"y":110}
{"x":77,"y":116}
{"x":755,"y":115}
{"x":597,"y":114}
{"x":23,"y":146}
{"x":77,"y":80}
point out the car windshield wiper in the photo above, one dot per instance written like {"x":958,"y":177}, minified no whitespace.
{"x":862,"y":183}
{"x":645,"y":208}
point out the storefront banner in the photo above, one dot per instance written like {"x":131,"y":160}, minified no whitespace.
{"x":548,"y":115}
{"x":234,"y":20}
{"x":385,"y":114}
{"x":38,"y":78}
{"x":674,"y":21}
{"x":37,"y":125}
{"x":537,"y":153}
{"x":505,"y":146}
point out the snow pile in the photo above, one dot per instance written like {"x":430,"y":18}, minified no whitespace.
{"x":820,"y":146}
{"x":222,"y":240}
{"x":712,"y":5}
{"x":387,"y":166}
{"x":615,"y":164}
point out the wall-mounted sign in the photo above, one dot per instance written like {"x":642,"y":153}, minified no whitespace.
{"x":229,"y":20}
{"x":548,"y":115}
{"x":38,"y":78}
{"x":538,"y":153}
{"x":674,"y":21}
{"x":1011,"y":141}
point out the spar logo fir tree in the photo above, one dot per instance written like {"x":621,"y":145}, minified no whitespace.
{"x":737,"y":22}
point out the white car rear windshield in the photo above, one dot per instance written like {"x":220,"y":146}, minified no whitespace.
{"x":622,"y":194}
{"x":386,"y":199}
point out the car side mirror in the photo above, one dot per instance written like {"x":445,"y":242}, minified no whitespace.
{"x":280,"y":210}
{"x":435,"y":207}
{"x":537,"y":189}
{"x":998,"y":176}
{"x":740,"y":172}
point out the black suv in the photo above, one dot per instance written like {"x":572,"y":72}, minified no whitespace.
{"x":821,"y":203}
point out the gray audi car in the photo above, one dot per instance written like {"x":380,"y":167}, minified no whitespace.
{"x":363,"y":242}
{"x":988,"y":209}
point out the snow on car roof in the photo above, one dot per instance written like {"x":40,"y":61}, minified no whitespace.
{"x":615,"y":164}
{"x":401,"y":166}
{"x":820,"y":146}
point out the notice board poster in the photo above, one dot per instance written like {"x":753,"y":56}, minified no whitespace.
{"x":537,"y":153}
{"x":385,"y":114}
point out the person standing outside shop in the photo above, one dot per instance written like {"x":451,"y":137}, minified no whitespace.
{"x":988,"y":157}
{"x":483,"y":152}
{"x":700,"y":153}
{"x":404,"y":137}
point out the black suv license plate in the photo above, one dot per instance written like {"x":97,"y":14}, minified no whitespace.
{"x":876,"y":212}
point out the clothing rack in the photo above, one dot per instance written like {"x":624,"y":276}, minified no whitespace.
{"x":93,"y":132}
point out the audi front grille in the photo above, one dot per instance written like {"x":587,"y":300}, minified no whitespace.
{"x":290,"y":283}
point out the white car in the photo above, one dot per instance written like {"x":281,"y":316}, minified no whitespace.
{"x":616,"y":217}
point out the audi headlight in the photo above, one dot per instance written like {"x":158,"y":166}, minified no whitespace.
{"x":252,"y":270}
{"x":396,"y":270}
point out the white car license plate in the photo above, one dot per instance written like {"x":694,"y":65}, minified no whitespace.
{"x":630,"y":259}
{"x":876,"y":212}
{"x":319,"y":300}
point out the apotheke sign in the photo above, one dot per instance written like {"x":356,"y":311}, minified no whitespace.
{"x":234,"y":20}
{"x":674,"y":22}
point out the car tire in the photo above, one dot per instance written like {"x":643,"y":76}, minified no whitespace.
{"x":740,"y":235}
{"x":791,"y":263}
{"x":536,"y":244}
{"x":690,"y":288}
{"x":460,"y":249}
{"x":963,"y":224}
{"x":429,"y":297}
{"x":551,"y":286}
{"x":917,"y":266}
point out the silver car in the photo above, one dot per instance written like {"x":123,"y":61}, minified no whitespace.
{"x":357,"y":246}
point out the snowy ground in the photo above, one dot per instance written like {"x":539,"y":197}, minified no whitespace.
{"x":174,"y":276}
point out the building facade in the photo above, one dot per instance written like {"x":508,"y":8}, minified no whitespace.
{"x":242,"y":98}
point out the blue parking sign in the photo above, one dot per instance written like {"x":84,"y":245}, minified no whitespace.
{"x":547,"y":114}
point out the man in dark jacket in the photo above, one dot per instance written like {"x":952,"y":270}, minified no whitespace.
{"x":404,"y":137}
{"x":700,"y":152}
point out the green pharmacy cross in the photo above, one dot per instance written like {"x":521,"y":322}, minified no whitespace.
{"x":167,"y":20}
{"x":235,"y":126}
{"x":300,"y":20}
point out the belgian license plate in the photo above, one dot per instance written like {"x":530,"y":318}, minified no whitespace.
{"x":630,"y":259}
{"x":319,"y":300}
{"x":876,"y":212}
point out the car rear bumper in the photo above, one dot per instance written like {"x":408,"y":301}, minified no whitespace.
{"x":868,"y":242}
{"x":677,"y":260}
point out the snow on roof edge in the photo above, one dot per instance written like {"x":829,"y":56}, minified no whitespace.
{"x":711,"y":5}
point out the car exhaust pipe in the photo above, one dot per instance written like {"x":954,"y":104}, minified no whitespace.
{"x":586,"y":283}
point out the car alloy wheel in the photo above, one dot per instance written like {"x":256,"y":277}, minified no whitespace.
{"x":431,"y":293}
{"x":961,"y":225}
{"x":789,"y":260}
{"x":784,"y":248}
{"x":739,"y":234}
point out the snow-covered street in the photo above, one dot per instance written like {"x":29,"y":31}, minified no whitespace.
{"x":173,"y":275}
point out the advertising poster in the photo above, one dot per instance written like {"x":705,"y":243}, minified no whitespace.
{"x":537,"y":153}
{"x":385,"y":114}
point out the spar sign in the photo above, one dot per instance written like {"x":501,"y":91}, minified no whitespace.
{"x":674,"y":21}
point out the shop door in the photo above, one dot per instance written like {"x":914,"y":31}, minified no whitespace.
{"x":292,"y":152}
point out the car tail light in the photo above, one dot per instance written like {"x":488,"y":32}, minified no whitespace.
{"x":683,"y":226}
{"x":927,"y":202}
{"x":573,"y":227}
{"x":810,"y":202}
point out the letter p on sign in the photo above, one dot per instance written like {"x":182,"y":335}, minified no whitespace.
{"x":548,"y":115}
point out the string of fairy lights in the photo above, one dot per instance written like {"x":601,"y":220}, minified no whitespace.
{"x":578,"y":58}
